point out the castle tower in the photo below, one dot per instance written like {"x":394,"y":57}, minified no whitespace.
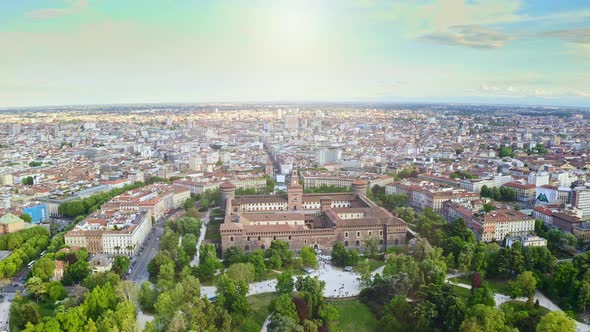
{"x":325,"y":203}
{"x":359,"y":187}
{"x":228,"y":192}
{"x":294,"y":192}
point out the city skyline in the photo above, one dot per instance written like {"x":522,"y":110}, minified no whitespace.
{"x":89,"y":52}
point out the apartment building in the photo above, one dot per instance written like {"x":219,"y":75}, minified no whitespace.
{"x":496,"y":225}
{"x":119,"y":232}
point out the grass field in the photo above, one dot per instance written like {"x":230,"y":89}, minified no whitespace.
{"x":354,"y":316}
{"x":500,"y":286}
{"x":259,"y":307}
{"x":461,"y":292}
{"x":213,"y":234}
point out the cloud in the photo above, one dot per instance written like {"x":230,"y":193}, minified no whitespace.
{"x":50,"y":13}
{"x":577,"y":36}
{"x":473,"y":36}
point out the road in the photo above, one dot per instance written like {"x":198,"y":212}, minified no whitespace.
{"x":138,"y":272}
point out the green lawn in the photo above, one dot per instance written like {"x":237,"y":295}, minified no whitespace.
{"x":259,"y":307}
{"x":354,"y":316}
{"x":213,"y":234}
{"x":500,"y":286}
{"x":461,"y":291}
{"x":375,"y":264}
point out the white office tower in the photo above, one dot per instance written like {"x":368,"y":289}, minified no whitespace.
{"x":327,"y":155}
{"x":538,"y":179}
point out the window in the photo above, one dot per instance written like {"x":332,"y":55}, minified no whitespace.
{"x":345,"y":234}
{"x":274,"y":237}
{"x":358,"y":234}
{"x":358,"y":243}
{"x":262,"y":247}
{"x":381,"y":241}
{"x":380,"y":233}
{"x":259,"y":238}
{"x":231,"y":238}
{"x":289,"y":237}
{"x":346,"y":243}
{"x":305,"y":241}
{"x":370,"y":233}
{"x":248,"y":239}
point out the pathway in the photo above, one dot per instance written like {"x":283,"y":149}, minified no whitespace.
{"x":543,"y":302}
{"x":204,"y":222}
{"x":339,"y":283}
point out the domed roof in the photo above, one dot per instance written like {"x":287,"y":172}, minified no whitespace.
{"x":359,"y":182}
{"x":227,"y":185}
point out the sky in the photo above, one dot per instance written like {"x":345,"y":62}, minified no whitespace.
{"x":67,"y":52}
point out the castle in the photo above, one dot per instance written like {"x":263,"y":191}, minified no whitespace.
{"x":318,"y":220}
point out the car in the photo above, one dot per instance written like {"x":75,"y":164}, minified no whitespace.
{"x":348,"y":268}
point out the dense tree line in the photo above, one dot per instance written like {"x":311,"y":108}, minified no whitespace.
{"x":173,"y":260}
{"x":418,"y":273}
{"x":81,"y":207}
{"x":26,"y":245}
{"x":503,"y":194}
{"x":388,"y":201}
{"x":462,"y":175}
{"x":108,"y":306}
{"x":327,"y":189}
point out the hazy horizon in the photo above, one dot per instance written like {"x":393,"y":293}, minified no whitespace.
{"x":72,"y":52}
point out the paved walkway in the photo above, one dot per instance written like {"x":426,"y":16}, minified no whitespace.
{"x":204,"y":222}
{"x":339,"y":283}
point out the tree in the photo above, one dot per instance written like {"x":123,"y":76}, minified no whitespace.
{"x":56,"y":291}
{"x":166,"y":276}
{"x":101,"y":279}
{"x":189,"y":203}
{"x":284,"y":306}
{"x":524,"y":285}
{"x":169,"y":241}
{"x":505,"y":152}
{"x":28,"y":181}
{"x":488,"y":207}
{"x":343,"y":257}
{"x":285,"y":283}
{"x":22,"y":312}
{"x":556,"y":321}
{"x":308,"y":257}
{"x":584,"y":295}
{"x":241,"y":272}
{"x":280,"y":249}
{"x":257,"y":259}
{"x":482,"y":295}
{"x":406,"y":213}
{"x":234,"y":255}
{"x":26,"y":218}
{"x":76,"y":272}
{"x":189,"y":245}
{"x":281,"y":323}
{"x":483,"y":318}
{"x":121,"y":265}
{"x":36,"y":287}
{"x":43,"y":268}
{"x":231,"y":295}
{"x":147,"y":297}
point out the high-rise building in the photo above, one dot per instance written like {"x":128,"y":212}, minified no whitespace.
{"x":327,"y":155}
{"x":291,"y":121}
{"x":581,"y":200}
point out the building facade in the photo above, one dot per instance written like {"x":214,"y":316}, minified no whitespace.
{"x":316,"y":220}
